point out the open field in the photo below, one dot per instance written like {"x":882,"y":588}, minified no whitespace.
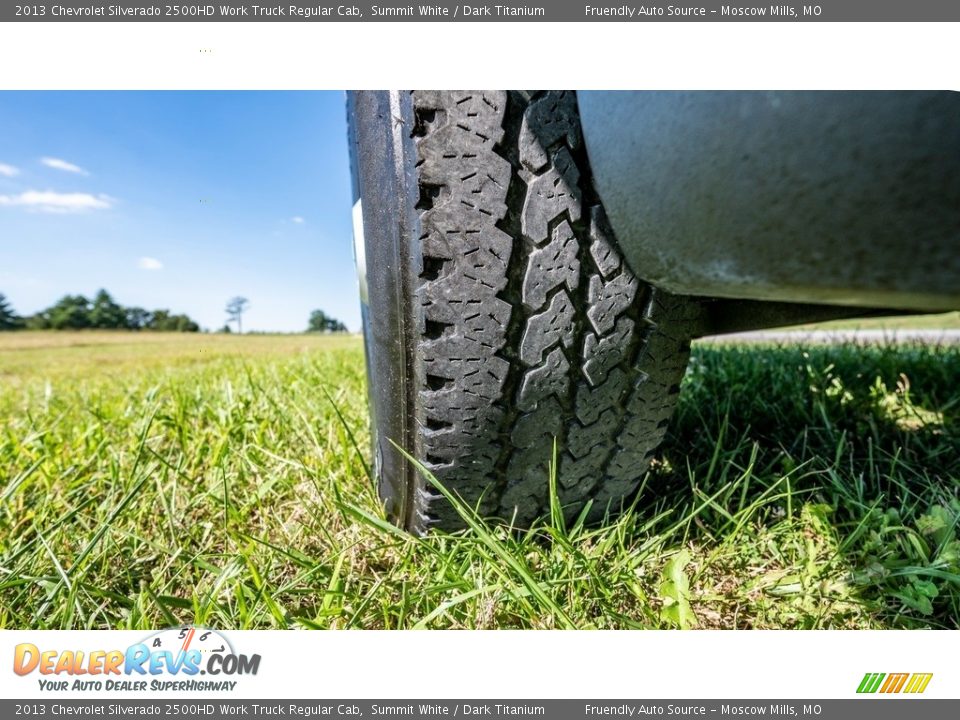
{"x":936,"y":321}
{"x":151,"y":480}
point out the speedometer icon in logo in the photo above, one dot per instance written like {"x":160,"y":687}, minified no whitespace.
{"x":181,"y":640}
{"x":190,"y":650}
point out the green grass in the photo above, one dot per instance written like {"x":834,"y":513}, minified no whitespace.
{"x":153,"y":480}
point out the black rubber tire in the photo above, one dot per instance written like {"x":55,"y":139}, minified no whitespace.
{"x":498,"y":313}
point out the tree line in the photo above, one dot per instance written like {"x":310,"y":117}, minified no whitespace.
{"x":77,"y":312}
{"x":321,"y":322}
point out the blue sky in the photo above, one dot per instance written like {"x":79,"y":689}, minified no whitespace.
{"x":179,"y":200}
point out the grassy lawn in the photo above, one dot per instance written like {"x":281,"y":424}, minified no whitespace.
{"x":152,"y":480}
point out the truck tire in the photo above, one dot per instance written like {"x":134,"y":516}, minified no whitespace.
{"x":498,"y":313}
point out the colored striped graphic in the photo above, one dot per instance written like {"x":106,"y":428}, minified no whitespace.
{"x":918,"y":682}
{"x":894,"y":683}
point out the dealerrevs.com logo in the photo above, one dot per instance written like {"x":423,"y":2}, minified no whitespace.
{"x":169,"y":660}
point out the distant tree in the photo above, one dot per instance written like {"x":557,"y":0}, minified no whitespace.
{"x":318,"y":321}
{"x":9,"y":320}
{"x":182,"y":323}
{"x":164,"y":321}
{"x":138,"y":318}
{"x":106,"y":314}
{"x":321,"y":322}
{"x":225,"y":329}
{"x":71,"y":312}
{"x":39,"y":321}
{"x":159,"y":320}
{"x":235,"y":309}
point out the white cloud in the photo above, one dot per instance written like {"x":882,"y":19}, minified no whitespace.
{"x":297,"y":219}
{"x":8,"y":170}
{"x":149,"y":263}
{"x":58,"y":164}
{"x":49,"y":201}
